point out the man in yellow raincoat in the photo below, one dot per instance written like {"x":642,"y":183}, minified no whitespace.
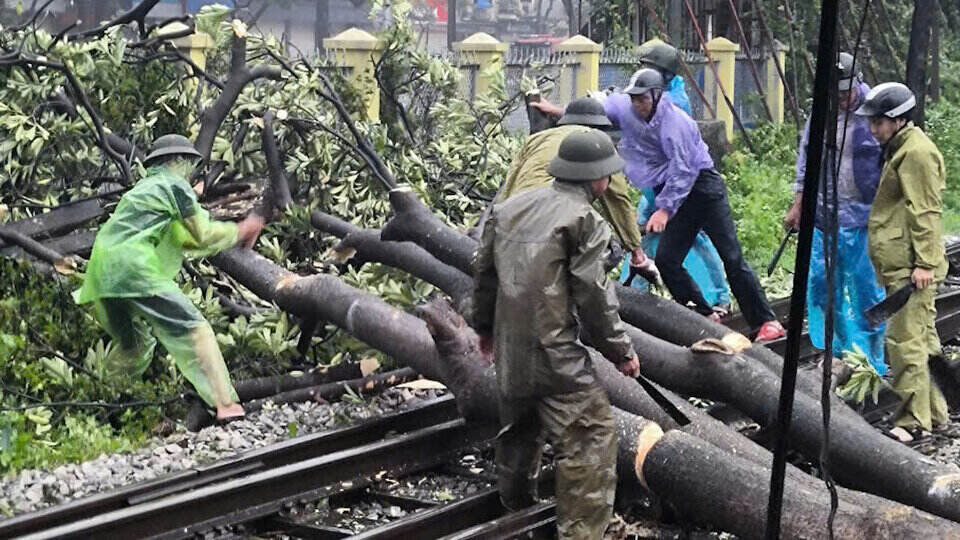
{"x":130,"y":277}
{"x":904,"y":237}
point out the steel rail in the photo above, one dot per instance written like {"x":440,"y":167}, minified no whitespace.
{"x":260,"y":494}
{"x":538,"y":517}
{"x":474,"y":512}
{"x":276,"y":455}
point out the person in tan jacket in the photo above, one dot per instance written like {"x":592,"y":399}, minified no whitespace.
{"x":904,"y":238}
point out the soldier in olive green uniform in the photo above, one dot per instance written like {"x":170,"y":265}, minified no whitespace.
{"x":539,"y":279}
{"x":904,"y":236}
{"x":529,"y":170}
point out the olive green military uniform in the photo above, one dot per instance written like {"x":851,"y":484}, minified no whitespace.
{"x":529,"y":170}
{"x":904,"y":233}
{"x":539,"y":278}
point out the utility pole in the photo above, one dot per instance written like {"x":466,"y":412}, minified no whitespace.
{"x":451,"y":23}
{"x":321,"y":24}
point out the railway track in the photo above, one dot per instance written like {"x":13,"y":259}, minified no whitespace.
{"x":253,"y":493}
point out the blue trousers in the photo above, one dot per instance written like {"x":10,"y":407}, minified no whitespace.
{"x":855,"y":290}
{"x":702,"y":261}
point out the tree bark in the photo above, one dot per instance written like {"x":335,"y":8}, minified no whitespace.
{"x":662,"y":462}
{"x":335,"y":390}
{"x":924,"y":17}
{"x":864,"y":458}
{"x":262,"y":387}
{"x":363,"y":245}
{"x":407,"y":339}
{"x":733,"y":486}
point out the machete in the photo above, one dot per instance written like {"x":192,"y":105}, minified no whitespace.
{"x":887,"y":307}
{"x":661,"y":400}
{"x":776,"y":257}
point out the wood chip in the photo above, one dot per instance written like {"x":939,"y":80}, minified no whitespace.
{"x":423,"y":384}
{"x":369,"y":365}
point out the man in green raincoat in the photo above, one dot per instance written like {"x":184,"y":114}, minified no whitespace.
{"x":130,"y":276}
{"x":904,"y":237}
{"x":540,"y":282}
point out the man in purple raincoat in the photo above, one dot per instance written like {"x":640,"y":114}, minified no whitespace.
{"x":664,"y":151}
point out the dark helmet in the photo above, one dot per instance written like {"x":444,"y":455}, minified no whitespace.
{"x":585,"y":111}
{"x":847,"y":75}
{"x":585,"y":157}
{"x":890,"y":99}
{"x":171,"y":145}
{"x":660,"y":55}
{"x":643,"y":81}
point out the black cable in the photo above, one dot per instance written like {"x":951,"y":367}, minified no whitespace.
{"x":831,"y":240}
{"x":824,"y":74}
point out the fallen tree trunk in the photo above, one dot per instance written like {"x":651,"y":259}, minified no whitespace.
{"x":698,"y":480}
{"x":332,"y":391}
{"x":63,"y":264}
{"x":863,"y":458}
{"x":405,"y":338}
{"x":59,"y":220}
{"x":359,"y":246}
{"x":660,"y":317}
{"x":262,"y":387}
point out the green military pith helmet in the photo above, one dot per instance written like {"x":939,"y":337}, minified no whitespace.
{"x":171,"y":145}
{"x":585,"y":157}
{"x":662,"y":56}
{"x":585,"y":111}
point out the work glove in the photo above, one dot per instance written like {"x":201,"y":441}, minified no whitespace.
{"x":647,"y":270}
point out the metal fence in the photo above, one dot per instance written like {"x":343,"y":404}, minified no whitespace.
{"x":747,"y":98}
{"x":562,"y":70}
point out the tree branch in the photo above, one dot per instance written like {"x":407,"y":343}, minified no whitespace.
{"x":240,"y":76}
{"x":22,"y":59}
{"x":137,"y":14}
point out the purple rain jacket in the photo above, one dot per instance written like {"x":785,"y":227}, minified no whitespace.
{"x":863,"y":152}
{"x":667,"y":151}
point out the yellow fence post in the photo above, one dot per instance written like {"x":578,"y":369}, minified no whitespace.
{"x":488,"y":53}
{"x":360,"y":51}
{"x":195,"y":45}
{"x":724,"y":54}
{"x":587,"y":54}
{"x":774,"y":84}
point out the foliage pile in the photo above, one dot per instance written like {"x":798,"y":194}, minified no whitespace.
{"x":450,"y":150}
{"x":760,"y":187}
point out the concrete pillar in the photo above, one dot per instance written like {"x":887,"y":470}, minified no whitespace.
{"x":587,"y":54}
{"x":488,"y":52}
{"x":724,"y":54}
{"x":195,"y":46}
{"x":774,"y":84}
{"x":360,"y":51}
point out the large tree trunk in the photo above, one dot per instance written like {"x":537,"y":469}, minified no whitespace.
{"x":924,"y":17}
{"x":665,"y":319}
{"x":687,"y":473}
{"x":408,"y":340}
{"x":862,"y":457}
